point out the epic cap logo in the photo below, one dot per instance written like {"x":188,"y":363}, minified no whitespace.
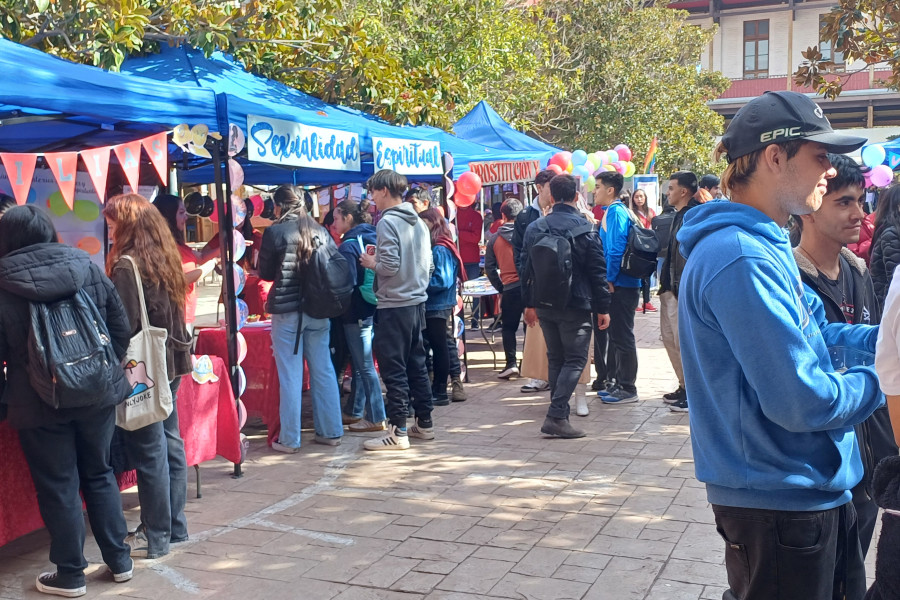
{"x":788,"y":132}
{"x":818,"y":112}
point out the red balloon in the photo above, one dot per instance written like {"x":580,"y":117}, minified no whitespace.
{"x":561,"y":159}
{"x":469,"y":183}
{"x":555,"y":168}
{"x":462,"y":199}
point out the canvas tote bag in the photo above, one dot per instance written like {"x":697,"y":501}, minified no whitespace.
{"x":150,"y":400}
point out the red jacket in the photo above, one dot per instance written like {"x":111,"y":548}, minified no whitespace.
{"x":863,"y":248}
{"x":470,"y":225}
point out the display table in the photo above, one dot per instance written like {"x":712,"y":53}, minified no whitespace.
{"x":262,"y":396}
{"x":208,"y":422}
{"x":481,"y":287}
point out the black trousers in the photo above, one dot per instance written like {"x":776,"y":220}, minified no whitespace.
{"x":621,"y":337}
{"x":455,"y":367}
{"x":604,"y":361}
{"x":789,"y":555}
{"x":401,"y":360}
{"x":64,"y":458}
{"x":436,"y":334}
{"x":645,"y":290}
{"x":511,"y":314}
{"x":568,"y":337}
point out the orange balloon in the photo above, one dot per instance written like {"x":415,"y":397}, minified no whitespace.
{"x":555,"y":168}
{"x":91,"y":245}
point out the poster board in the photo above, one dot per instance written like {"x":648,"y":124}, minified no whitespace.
{"x":650,"y":184}
{"x":82,"y":227}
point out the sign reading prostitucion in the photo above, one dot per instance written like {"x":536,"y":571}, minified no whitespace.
{"x":505,"y":171}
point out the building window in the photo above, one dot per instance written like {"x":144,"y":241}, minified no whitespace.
{"x":827,"y":51}
{"x":756,"y":49}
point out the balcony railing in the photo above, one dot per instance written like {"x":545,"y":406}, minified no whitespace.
{"x":748,"y":88}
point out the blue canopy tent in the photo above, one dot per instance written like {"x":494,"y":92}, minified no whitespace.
{"x":48,"y":103}
{"x":482,"y":125}
{"x":250,"y":94}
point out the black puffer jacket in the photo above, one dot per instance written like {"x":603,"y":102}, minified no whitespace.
{"x":278,"y":263}
{"x":45,"y":273}
{"x":885,"y":258}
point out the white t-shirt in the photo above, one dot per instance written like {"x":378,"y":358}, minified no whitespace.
{"x":887,"y":349}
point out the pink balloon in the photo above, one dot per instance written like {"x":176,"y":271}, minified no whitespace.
{"x":620,"y":167}
{"x":555,"y":168}
{"x":881,"y":176}
{"x":464,"y":200}
{"x":469,"y":183}
{"x":624,"y":152}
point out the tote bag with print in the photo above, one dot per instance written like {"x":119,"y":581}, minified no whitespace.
{"x":150,"y":400}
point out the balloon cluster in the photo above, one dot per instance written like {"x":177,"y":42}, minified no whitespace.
{"x":588,"y":166}
{"x":879,"y":175}
{"x":467,"y":187}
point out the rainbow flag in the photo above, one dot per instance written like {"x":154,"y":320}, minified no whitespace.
{"x":650,"y":159}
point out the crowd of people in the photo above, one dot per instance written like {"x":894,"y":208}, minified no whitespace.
{"x":775,"y":298}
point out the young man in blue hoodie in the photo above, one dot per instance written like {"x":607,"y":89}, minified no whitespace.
{"x":771,"y":420}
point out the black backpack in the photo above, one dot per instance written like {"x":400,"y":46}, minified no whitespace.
{"x":328,"y":281}
{"x":641,"y":251}
{"x":70,"y":353}
{"x":551,"y":263}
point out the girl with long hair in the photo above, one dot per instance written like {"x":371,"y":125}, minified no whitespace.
{"x":442,"y":292}
{"x":138,"y":230}
{"x":68,"y":450}
{"x":886,"y":241}
{"x":645,"y":214}
{"x":353,"y":223}
{"x":287,"y":248}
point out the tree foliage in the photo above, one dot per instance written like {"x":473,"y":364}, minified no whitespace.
{"x":586,"y":74}
{"x":863,"y":30}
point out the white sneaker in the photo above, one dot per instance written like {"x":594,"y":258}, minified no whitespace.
{"x":279,"y":447}
{"x":509,"y":372}
{"x":422,"y":433}
{"x":139,"y":544}
{"x":391,"y":440}
{"x":581,"y":407}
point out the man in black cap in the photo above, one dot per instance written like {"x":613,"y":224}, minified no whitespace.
{"x":771,"y":420}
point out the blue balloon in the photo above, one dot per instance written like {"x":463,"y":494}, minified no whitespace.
{"x":873,"y":155}
{"x":581,"y":171}
{"x":579,"y":157}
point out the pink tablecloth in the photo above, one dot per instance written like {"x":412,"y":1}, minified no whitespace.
{"x":208,"y":422}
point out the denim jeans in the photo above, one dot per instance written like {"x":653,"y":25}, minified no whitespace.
{"x":147,"y":450}
{"x":568,"y":337}
{"x":621,"y":337}
{"x":776,"y":554}
{"x":63,"y":457}
{"x":326,"y":400}
{"x":366,"y":387}
{"x":401,"y":357}
{"x":177,"y":470}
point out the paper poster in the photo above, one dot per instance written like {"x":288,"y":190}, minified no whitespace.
{"x":650,"y":185}
{"x":81,"y":226}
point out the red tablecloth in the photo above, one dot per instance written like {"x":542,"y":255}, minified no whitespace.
{"x":262,"y":395}
{"x":208,"y":423}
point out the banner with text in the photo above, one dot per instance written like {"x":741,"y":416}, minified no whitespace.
{"x":409,"y":157}
{"x":505,"y":171}
{"x":283,"y":142}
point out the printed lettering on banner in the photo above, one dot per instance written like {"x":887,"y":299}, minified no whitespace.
{"x":409,"y":157}
{"x":281,"y":142}
{"x":505,"y":171}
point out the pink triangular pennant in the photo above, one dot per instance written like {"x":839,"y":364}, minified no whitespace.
{"x":129,"y":156}
{"x":157,"y":149}
{"x":20,"y":170}
{"x":63,"y":165}
{"x":97,"y":163}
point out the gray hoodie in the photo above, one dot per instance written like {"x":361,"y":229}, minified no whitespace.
{"x":403,"y":262}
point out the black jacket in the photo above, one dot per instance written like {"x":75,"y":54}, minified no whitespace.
{"x":662,"y":226}
{"x":278,"y":263}
{"x":875,"y":435}
{"x":45,"y":273}
{"x":525,"y":218}
{"x":590,"y":290}
{"x":673,"y":266}
{"x":885,"y":258}
{"x":349,"y":249}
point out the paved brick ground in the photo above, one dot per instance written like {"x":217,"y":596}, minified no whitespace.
{"x":489,"y":509}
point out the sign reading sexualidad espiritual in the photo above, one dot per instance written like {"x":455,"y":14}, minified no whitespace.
{"x":283,"y":142}
{"x":409,"y":157}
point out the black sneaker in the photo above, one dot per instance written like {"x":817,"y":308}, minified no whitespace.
{"x":50,"y":583}
{"x":619,"y":396}
{"x":674,"y":396}
{"x":679,"y":405}
{"x":598,"y":385}
{"x":560,"y":428}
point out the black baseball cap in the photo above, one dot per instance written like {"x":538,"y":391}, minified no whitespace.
{"x":777,"y":117}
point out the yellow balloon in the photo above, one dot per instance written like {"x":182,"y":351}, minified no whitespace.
{"x":569,"y":167}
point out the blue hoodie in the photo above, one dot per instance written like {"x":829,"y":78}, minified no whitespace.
{"x":771,"y":422}
{"x":614,"y":229}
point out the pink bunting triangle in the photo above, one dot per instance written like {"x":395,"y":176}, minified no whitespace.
{"x":97,"y":162}
{"x":64,"y":165}
{"x":20,"y":170}
{"x":129,"y":156}
{"x":157,"y":149}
